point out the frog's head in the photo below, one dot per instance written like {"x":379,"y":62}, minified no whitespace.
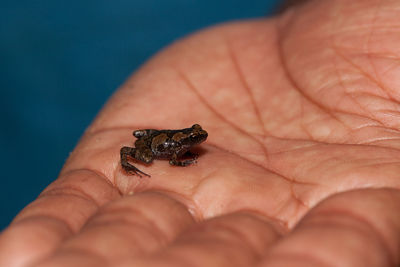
{"x":197,"y":135}
{"x":191,"y":136}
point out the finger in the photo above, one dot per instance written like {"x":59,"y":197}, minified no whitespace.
{"x":359,"y":228}
{"x":131,"y":226}
{"x":238,"y":239}
{"x":56,"y":214}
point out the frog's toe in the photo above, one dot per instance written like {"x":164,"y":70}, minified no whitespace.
{"x":189,"y":162}
{"x":133,"y":170}
{"x":137,"y":172}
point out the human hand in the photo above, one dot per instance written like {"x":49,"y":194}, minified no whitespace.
{"x":301,"y":167}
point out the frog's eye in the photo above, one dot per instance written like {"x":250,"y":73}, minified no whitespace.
{"x":196,"y":126}
{"x":193,"y":137}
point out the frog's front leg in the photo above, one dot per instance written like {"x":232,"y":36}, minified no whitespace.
{"x":182,"y":163}
{"x":133,"y":153}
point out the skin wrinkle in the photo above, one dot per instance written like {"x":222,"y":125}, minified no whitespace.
{"x":336,"y":48}
{"x":358,"y":28}
{"x":217,"y":227}
{"x":324,"y":144}
{"x":363,"y":116}
{"x":82,"y":252}
{"x":112,"y":218}
{"x":303,"y":125}
{"x":380,"y":164}
{"x":342,"y":84}
{"x":326,"y":162}
{"x":292,"y":181}
{"x":348,"y":214}
{"x":219,"y":115}
{"x":119,"y":224}
{"x":81,"y":190}
{"x":376,"y":10}
{"x":356,"y":52}
{"x":109,"y":216}
{"x":371,"y":142}
{"x":194,"y":207}
{"x":63,"y":194}
{"x":58,"y":221}
{"x":266,"y":169}
{"x":279,"y":226}
{"x":173,"y":260}
{"x":246,"y":86}
{"x":69,"y":191}
{"x":135,"y":211}
{"x":369,"y":113}
{"x":292,"y":81}
{"x":45,"y":214}
{"x":68,"y":226}
{"x":191,"y":206}
{"x":391,"y":58}
{"x":294,"y":149}
{"x":295,"y":258}
{"x":240,"y":236}
{"x":213,"y":258}
{"x":382,"y":110}
{"x":373,"y":125}
{"x":294,"y":84}
{"x":298,"y":199}
{"x":330,"y":159}
{"x":390,"y":112}
{"x":96,"y":173}
{"x":366,"y":75}
{"x":379,"y":125}
{"x":289,"y":19}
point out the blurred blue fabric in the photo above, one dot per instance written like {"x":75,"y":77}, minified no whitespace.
{"x":61,"y":60}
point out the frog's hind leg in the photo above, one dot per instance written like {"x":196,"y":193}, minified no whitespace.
{"x":183,"y":163}
{"x":130,"y":152}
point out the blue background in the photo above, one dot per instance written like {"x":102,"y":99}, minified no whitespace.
{"x":61,"y":60}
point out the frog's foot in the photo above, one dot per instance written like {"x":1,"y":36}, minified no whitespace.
{"x":183,"y":163}
{"x":191,"y":155}
{"x":129,"y":168}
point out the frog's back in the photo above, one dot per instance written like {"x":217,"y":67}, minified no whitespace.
{"x":170,"y":133}
{"x":144,"y":141}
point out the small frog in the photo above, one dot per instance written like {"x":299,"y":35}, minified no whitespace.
{"x":163,"y":144}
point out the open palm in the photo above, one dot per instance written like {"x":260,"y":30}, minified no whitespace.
{"x":301,"y":167}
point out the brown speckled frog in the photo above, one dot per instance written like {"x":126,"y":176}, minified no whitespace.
{"x":163,"y":144}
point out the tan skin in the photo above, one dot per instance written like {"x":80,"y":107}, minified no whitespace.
{"x":301,"y":166}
